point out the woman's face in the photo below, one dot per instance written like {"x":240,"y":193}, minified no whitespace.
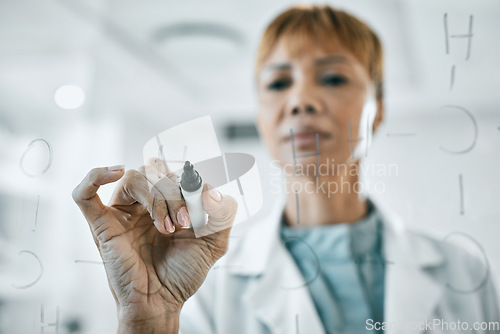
{"x":317,"y":92}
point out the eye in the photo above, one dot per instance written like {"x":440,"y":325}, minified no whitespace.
{"x":279,"y":84}
{"x":333,"y":80}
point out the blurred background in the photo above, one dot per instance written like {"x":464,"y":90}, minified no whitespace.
{"x":86,"y":83}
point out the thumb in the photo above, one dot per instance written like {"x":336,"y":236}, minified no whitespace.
{"x":221,"y":210}
{"x":85,"y":194}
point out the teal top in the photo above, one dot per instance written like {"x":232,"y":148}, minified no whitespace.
{"x":343,"y":268}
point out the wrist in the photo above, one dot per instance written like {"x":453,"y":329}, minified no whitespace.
{"x":167,"y":323}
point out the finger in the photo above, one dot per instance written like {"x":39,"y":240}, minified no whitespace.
{"x":171,"y":193}
{"x":85,"y":194}
{"x":135,"y":188}
{"x":175,"y":202}
{"x":160,"y":214}
{"x":221,"y":212}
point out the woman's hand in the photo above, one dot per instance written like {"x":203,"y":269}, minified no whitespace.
{"x":152,"y":269}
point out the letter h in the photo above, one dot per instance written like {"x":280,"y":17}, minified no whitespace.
{"x":469,"y":35}
{"x":54,"y":324}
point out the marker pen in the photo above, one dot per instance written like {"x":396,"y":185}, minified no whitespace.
{"x":191,"y":188}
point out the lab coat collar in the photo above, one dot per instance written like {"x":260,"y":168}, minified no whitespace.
{"x":258,"y":238}
{"x":410,"y":291}
{"x":280,"y":298}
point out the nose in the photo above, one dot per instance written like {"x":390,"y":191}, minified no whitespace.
{"x":308,"y":109}
{"x":304,"y":101}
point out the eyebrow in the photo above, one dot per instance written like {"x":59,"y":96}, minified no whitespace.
{"x":321,"y":61}
{"x":331,"y":59}
{"x":275,"y":67}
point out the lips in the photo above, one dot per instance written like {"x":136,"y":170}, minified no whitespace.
{"x":305,"y":136}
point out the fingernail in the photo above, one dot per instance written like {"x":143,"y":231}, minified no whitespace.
{"x":168,"y":225}
{"x":214,"y":194}
{"x":183,"y":217}
{"x":116,"y":168}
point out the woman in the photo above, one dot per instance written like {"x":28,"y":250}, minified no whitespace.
{"x":340,"y":265}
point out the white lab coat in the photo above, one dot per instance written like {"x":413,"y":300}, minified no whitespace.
{"x":257,"y":288}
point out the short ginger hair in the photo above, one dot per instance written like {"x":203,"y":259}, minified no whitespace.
{"x":300,"y":25}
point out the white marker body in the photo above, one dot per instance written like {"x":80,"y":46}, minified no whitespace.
{"x":194,"y":206}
